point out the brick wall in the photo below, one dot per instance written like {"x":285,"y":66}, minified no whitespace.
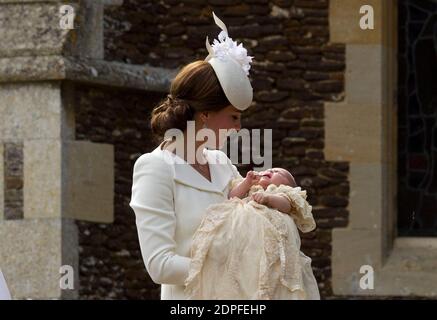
{"x":295,"y":71}
{"x":110,"y":260}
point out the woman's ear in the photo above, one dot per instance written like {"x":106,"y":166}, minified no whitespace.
{"x":204,"y":116}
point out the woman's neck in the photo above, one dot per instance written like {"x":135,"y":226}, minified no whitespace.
{"x":198,"y":148}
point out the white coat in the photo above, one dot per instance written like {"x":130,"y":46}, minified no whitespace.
{"x":169,"y":200}
{"x":4,"y":291}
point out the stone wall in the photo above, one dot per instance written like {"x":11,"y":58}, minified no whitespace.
{"x":13,"y":178}
{"x":111,"y":266}
{"x":295,"y":71}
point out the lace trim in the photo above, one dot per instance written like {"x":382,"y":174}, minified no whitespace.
{"x":201,"y":243}
{"x":278,"y":244}
{"x":301,"y":210}
{"x":279,"y":247}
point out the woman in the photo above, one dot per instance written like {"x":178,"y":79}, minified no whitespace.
{"x":169,"y":194}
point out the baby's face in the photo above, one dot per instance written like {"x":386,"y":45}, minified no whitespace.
{"x":275,"y":176}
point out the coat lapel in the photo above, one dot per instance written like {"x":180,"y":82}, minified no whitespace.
{"x":221,"y":172}
{"x":185,"y":174}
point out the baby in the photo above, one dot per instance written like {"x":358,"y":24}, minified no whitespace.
{"x":248,"y":247}
{"x":276,"y":176}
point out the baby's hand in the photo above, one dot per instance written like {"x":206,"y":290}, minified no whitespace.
{"x":252,"y":177}
{"x":260,"y":197}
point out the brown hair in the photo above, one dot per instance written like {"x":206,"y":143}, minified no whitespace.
{"x":195,"y":88}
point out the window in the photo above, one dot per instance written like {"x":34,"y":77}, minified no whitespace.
{"x":417,"y":117}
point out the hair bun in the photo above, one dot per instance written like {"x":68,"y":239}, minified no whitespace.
{"x":173,"y":113}
{"x":195,"y":88}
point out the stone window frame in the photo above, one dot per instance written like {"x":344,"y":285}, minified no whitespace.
{"x":363,"y":131}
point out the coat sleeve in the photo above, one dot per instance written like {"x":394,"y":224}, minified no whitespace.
{"x":4,"y":291}
{"x":153,"y":204}
{"x":236,"y":176}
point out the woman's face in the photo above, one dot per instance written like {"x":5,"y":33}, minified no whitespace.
{"x":226,"y":119}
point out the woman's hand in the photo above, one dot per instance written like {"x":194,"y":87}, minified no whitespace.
{"x":261,"y":198}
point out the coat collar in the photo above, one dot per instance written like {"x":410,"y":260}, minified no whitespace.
{"x":185,"y":174}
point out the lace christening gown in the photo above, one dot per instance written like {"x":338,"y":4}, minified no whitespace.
{"x":245,"y":250}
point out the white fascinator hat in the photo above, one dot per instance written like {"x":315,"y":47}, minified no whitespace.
{"x":231,"y":65}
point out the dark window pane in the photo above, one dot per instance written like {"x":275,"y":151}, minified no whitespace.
{"x":417,"y":137}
